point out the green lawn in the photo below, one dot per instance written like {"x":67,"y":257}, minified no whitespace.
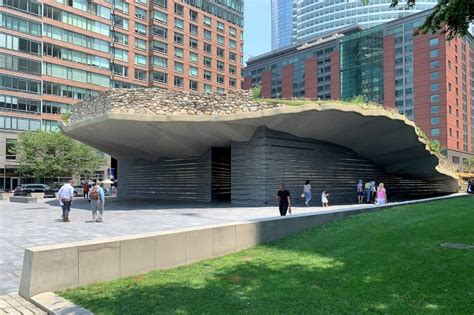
{"x":384,"y":262}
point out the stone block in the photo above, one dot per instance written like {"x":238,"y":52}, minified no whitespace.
{"x":20,"y":199}
{"x":5,"y":196}
{"x":223,"y":240}
{"x":137,"y":255}
{"x":198,"y":245}
{"x":49,"y":269}
{"x":37,"y":195}
{"x":99,"y":261}
{"x":170,"y":250}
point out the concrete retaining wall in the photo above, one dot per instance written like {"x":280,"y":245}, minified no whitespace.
{"x":55,"y":267}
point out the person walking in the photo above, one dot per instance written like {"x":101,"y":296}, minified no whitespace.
{"x":307,"y":193}
{"x":367,"y":190}
{"x":97,"y":198}
{"x":284,"y":200}
{"x":324,"y":199}
{"x":381,"y":195}
{"x":373,"y":190}
{"x":470,"y":189}
{"x":65,"y":195}
{"x":85,"y":190}
{"x":360,"y":191}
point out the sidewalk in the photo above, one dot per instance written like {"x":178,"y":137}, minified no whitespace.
{"x":15,"y":304}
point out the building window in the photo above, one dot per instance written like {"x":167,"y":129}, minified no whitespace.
{"x":207,"y":75}
{"x":140,"y":75}
{"x":207,"y":62}
{"x":220,"y":79}
{"x":10,"y":149}
{"x":178,"y":67}
{"x":456,"y":159}
{"x":161,"y":3}
{"x":119,"y":70}
{"x":193,"y":29}
{"x":120,"y":22}
{"x":160,"y":62}
{"x":434,"y":75}
{"x":140,"y":29}
{"x":160,"y":31}
{"x":232,"y":56}
{"x":140,"y":13}
{"x":207,"y":88}
{"x":193,"y":71}
{"x":434,"y":87}
{"x":232,"y":31}
{"x":207,"y":48}
{"x":434,"y":98}
{"x":121,"y":38}
{"x":178,"y":53}
{"x":178,"y":81}
{"x":220,"y":52}
{"x":140,"y":44}
{"x":193,"y":57}
{"x":178,"y":9}
{"x":433,"y":42}
{"x":160,"y":77}
{"x":160,"y":17}
{"x":220,"y":66}
{"x":435,"y":132}
{"x":220,"y":39}
{"x":193,"y":15}
{"x":120,"y":54}
{"x":435,"y":109}
{"x":207,"y":21}
{"x":207,"y":34}
{"x":232,"y":44}
{"x":434,"y":64}
{"x":193,"y":43}
{"x":160,"y":47}
{"x":435,"y":121}
{"x":140,"y":60}
{"x":232,"y":69}
{"x":220,"y":27}
{"x":232,"y":82}
{"x":178,"y":38}
{"x":193,"y":85}
{"x":434,"y":53}
{"x":178,"y":23}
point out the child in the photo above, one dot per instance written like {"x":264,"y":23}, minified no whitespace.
{"x":324,"y":199}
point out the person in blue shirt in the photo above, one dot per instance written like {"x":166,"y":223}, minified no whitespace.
{"x":97,"y":198}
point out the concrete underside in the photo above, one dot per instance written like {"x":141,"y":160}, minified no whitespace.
{"x":388,"y":141}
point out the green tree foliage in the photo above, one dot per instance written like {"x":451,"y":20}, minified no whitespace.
{"x":257,"y":91}
{"x":51,"y":154}
{"x":358,"y":99}
{"x":452,"y":16}
{"x":435,"y":146}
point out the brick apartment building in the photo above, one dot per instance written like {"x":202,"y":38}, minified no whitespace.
{"x":425,"y":77}
{"x":55,"y":53}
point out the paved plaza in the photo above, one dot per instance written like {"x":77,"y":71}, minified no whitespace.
{"x":27,"y":225}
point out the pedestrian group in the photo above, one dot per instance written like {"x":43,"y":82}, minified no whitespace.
{"x":368,"y":190}
{"x":95,"y":195}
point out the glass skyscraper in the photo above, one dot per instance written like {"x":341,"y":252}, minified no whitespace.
{"x":313,"y":18}
{"x":282,"y":23}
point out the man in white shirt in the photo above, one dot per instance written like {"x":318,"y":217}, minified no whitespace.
{"x":65,"y":195}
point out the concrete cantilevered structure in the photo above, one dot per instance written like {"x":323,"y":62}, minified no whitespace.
{"x":228,"y":147}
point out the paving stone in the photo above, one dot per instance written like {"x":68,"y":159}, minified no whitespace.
{"x":119,"y":220}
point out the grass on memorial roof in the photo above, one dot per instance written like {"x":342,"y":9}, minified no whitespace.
{"x":384,"y":262}
{"x":299,"y":102}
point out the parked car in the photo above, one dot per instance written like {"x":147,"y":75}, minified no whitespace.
{"x":78,"y":191}
{"x":27,"y":189}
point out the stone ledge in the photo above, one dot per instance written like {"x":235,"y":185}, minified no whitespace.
{"x":19,"y":199}
{"x":54,"y":304}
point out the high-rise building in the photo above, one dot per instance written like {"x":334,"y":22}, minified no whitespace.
{"x":317,"y":18}
{"x":425,"y":77}
{"x":54,"y":53}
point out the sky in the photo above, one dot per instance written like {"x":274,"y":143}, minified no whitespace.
{"x":257,"y":28}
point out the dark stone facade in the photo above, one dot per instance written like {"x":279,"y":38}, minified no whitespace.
{"x":256,"y":169}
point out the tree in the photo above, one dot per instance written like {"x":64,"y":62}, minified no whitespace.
{"x":257,"y":91}
{"x":450,"y":16}
{"x":52,"y":154}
